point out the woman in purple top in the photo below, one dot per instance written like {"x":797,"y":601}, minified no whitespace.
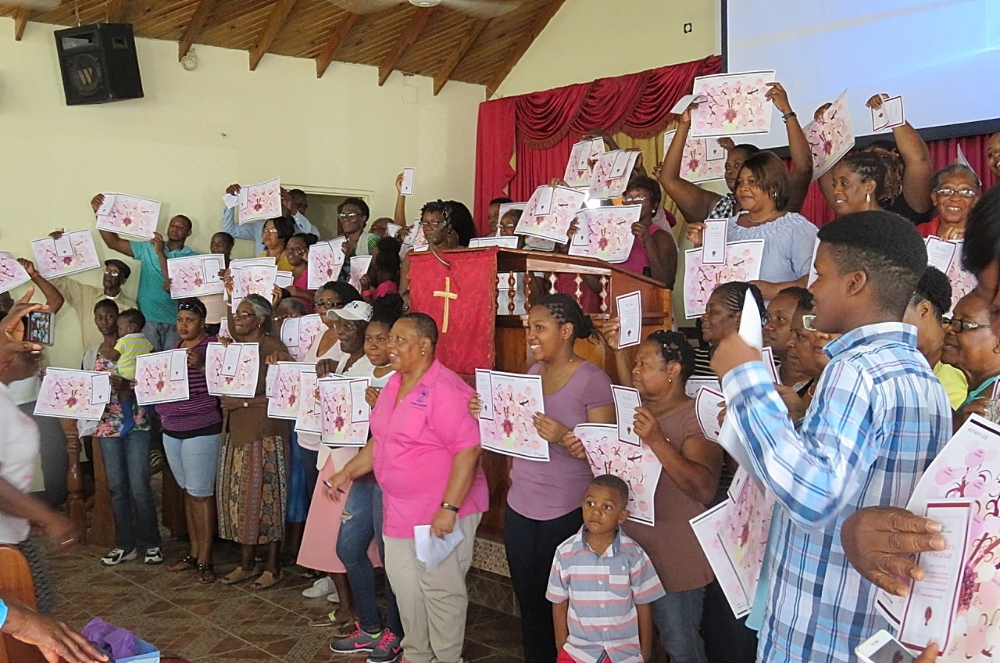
{"x":543,"y":505}
{"x":191,"y":432}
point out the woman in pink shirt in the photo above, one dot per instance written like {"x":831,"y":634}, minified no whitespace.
{"x":426,"y":459}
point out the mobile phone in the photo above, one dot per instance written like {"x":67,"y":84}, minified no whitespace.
{"x":883,"y":648}
{"x":39,"y":328}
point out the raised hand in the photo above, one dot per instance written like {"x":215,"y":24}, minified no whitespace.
{"x":726,"y":143}
{"x":96,"y":202}
{"x":777,"y":95}
{"x":875,"y":102}
{"x":233,"y":189}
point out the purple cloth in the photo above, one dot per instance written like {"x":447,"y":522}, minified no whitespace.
{"x":116,"y":642}
{"x":200,"y":410}
{"x":544,"y":491}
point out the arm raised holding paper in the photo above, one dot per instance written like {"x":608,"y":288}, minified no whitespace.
{"x":917,"y":170}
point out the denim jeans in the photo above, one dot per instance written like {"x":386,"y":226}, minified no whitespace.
{"x":163,"y":335}
{"x":362,"y":521}
{"x":126,"y":463}
{"x":677,"y":617}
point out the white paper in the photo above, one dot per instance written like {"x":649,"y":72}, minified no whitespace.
{"x":309,"y":418}
{"x":606,"y":233}
{"x":430,"y":549}
{"x":362,"y":411}
{"x":212,"y":265}
{"x":484,"y":387}
{"x":813,"y":275}
{"x":734,"y":104}
{"x":504,"y":242}
{"x":406,"y":186}
{"x":629,"y":319}
{"x":68,"y":394}
{"x":889,"y":115}
{"x":685,"y":101}
{"x":230,"y":200}
{"x":626,"y":402}
{"x":254,"y":280}
{"x":960,"y":157}
{"x":106,"y":205}
{"x":743,"y":262}
{"x":64,"y":248}
{"x":243,"y":383}
{"x":562,"y":204}
{"x":161,"y":377}
{"x":767,"y":356}
{"x":11,"y":272}
{"x":751,"y":330}
{"x":621,"y":164}
{"x":259,"y":201}
{"x":540,"y":202}
{"x":326,"y":259}
{"x":100,"y":386}
{"x":178,"y":364}
{"x":359,"y":267}
{"x":516,"y":398}
{"x":283,"y":279}
{"x":284,"y":391}
{"x":637,"y":466}
{"x":694,"y":385}
{"x":708,"y":404}
{"x":290,"y":332}
{"x":706,"y":527}
{"x":713,"y":241}
{"x":940,"y":253}
{"x":231,"y":360}
{"x":269,"y":378}
{"x":72,"y":253}
{"x":392,"y":229}
{"x":195,"y":276}
{"x":604,"y":184}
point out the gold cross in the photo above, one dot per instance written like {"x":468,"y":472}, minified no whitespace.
{"x":448,"y":295}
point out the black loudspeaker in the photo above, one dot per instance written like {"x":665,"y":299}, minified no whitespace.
{"x":98,"y":63}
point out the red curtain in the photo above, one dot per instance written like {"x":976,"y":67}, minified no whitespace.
{"x":545,"y":124}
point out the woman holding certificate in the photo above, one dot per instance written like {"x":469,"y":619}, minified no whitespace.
{"x":275,"y":235}
{"x":543,"y":504}
{"x":971,"y":347}
{"x":191,"y":432}
{"x":955,"y":191}
{"x":252,"y":476}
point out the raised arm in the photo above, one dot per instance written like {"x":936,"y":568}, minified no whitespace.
{"x":399,"y":214}
{"x":111,"y":240}
{"x":918,"y":171}
{"x":798,"y":147}
{"x":693,"y":202}
{"x":53,"y":297}
{"x":229,"y":224}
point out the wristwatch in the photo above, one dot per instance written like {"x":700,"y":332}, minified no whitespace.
{"x":449,"y":507}
{"x":787,"y":116}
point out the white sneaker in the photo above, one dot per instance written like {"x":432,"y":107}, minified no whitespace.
{"x":320,"y":588}
{"x":333,"y":597}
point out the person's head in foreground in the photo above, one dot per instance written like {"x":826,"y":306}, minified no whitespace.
{"x":554,"y":324}
{"x":867,"y":266}
{"x":981,"y":250}
{"x":722,"y":312}
{"x":385,"y":313}
{"x":926,"y":310}
{"x":605,"y":505}
{"x":508,"y":223}
{"x":993,"y":154}
{"x":412,"y":341}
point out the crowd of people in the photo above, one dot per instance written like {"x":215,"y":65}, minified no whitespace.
{"x":877,"y":369}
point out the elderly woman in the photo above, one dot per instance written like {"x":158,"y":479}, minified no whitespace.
{"x":426,"y":459}
{"x":763,"y":190}
{"x":697,"y":204}
{"x":252,"y":476}
{"x":954,"y":191}
{"x":191,"y":433}
{"x":971,"y":347}
{"x":668,"y":424}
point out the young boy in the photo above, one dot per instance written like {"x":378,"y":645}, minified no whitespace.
{"x":878,"y":419}
{"x":131,"y":343}
{"x":602,"y":584}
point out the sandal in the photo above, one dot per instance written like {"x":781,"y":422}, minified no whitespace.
{"x":239,"y":574}
{"x":265,"y":581}
{"x":206,"y":573}
{"x":186,"y":563}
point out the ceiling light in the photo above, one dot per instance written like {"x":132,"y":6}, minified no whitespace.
{"x":425,"y":3}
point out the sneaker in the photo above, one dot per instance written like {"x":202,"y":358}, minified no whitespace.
{"x":117,"y":556}
{"x":153,"y":556}
{"x":333,"y":597}
{"x":358,"y":642}
{"x":320,"y":588}
{"x":388,"y":649}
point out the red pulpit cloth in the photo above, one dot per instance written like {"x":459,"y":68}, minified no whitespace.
{"x":462,"y":300}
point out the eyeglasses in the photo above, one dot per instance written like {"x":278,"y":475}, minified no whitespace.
{"x":964,"y":193}
{"x":268,"y":231}
{"x":112,"y":272}
{"x":959,"y":326}
{"x":809,"y":323}
{"x":348,"y":215}
{"x":327,"y":304}
{"x":635,"y":199}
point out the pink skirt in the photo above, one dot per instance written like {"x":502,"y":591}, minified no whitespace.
{"x":319,"y":539}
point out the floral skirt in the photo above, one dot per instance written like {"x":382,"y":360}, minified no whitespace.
{"x":251,"y":488}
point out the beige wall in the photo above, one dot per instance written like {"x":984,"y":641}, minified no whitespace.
{"x":589,"y":39}
{"x":196,"y":132}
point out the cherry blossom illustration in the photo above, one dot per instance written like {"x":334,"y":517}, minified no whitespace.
{"x":130,"y":215}
{"x":603,"y":184}
{"x":68,"y":394}
{"x":11,"y":272}
{"x":736,"y":104}
{"x":310,"y":326}
{"x":580,"y":167}
{"x":553,"y":226}
{"x":309,"y":417}
{"x":284,"y":401}
{"x":50,"y":264}
{"x":253,"y":280}
{"x":637,"y":466}
{"x":324,"y":264}
{"x":744,"y":532}
{"x":187,"y":277}
{"x":742,"y":264}
{"x":338,"y":426}
{"x":153,"y":383}
{"x":831,"y":137}
{"x":241,"y":385}
{"x":609,"y":233}
{"x":512,"y":431}
{"x":260,"y":201}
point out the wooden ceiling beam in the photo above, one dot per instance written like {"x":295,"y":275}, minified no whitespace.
{"x":115,"y":11}
{"x":336,"y":38}
{"x":21,"y":22}
{"x":270,"y":32}
{"x":194,"y":26}
{"x":441,"y":75}
{"x":521,"y":47}
{"x":412,"y":33}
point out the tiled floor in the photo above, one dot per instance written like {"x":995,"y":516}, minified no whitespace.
{"x":215,"y":624}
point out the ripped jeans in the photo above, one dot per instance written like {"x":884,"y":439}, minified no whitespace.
{"x":361,"y":522}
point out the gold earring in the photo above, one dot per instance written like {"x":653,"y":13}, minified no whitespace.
{"x":670,"y":380}
{"x":868,"y":197}
{"x":996,"y":350}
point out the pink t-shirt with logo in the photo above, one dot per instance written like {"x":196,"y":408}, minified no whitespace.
{"x":415,"y":444}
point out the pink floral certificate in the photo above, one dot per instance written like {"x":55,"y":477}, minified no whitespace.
{"x":579,"y":167}
{"x":259,"y":201}
{"x":326,"y":259}
{"x":161,"y":377}
{"x":309,"y":417}
{"x":359,"y":267}
{"x":742,"y":264}
{"x":968,"y":467}
{"x":736,"y":104}
{"x":637,"y":466}
{"x":298,"y":334}
{"x":232,"y":370}
{"x":611,"y":173}
{"x":553,"y":226}
{"x":283,"y":400}
{"x":11,"y":272}
{"x":128,"y":215}
{"x":505,"y":424}
{"x":73,"y":252}
{"x":605,"y":233}
{"x":832,"y":137}
{"x":195,"y":276}
{"x":70,"y":394}
{"x":345,"y":412}
{"x":962,"y":282}
{"x":703,"y":159}
{"x":252,"y":280}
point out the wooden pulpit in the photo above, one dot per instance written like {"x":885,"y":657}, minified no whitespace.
{"x":570,"y":275}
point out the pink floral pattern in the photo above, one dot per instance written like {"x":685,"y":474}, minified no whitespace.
{"x":325,"y":263}
{"x":128,"y":215}
{"x":188,"y":277}
{"x":260,"y":201}
{"x":553,"y":226}
{"x":252,"y":280}
{"x":69,"y":395}
{"x":516,"y":399}
{"x":608,"y":233}
{"x":579,"y":168}
{"x":284,"y":397}
{"x":637,"y":466}
{"x":735,"y":104}
{"x":604,"y":183}
{"x":339,"y":428}
{"x":830,"y":138}
{"x":50,"y":264}
{"x":241,"y":385}
{"x":742,"y":264}
{"x":309,"y":417}
{"x":11,"y":272}
{"x":153,"y":383}
{"x":703,"y":159}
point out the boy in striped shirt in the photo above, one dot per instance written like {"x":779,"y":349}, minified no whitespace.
{"x":602,"y":584}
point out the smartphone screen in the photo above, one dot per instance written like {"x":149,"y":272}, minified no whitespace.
{"x":891,"y":652}
{"x":39,"y":328}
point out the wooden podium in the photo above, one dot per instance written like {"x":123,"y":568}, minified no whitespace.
{"x":567,"y":274}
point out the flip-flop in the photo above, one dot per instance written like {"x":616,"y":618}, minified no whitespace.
{"x":266,"y":580}
{"x":239,"y":574}
{"x":186,"y":563}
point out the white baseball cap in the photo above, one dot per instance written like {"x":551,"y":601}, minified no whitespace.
{"x":361,"y":311}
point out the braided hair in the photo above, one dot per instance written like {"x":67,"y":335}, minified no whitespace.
{"x":874,"y":166}
{"x":675,"y":348}
{"x":565,"y":310}
{"x":734,"y":293}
